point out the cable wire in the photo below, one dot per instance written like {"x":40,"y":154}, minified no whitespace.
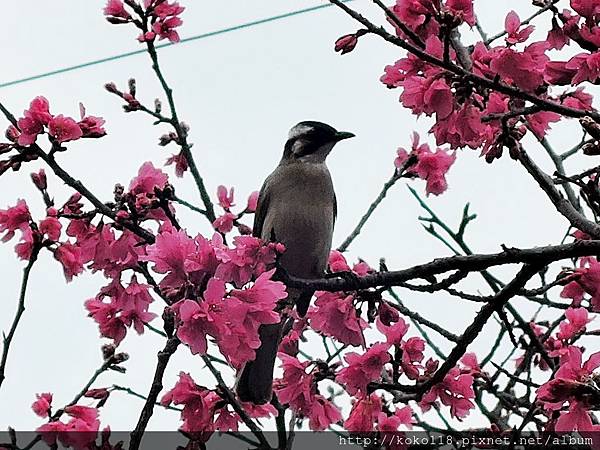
{"x":167,"y":44}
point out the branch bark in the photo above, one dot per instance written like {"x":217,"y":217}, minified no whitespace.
{"x":7,"y":339}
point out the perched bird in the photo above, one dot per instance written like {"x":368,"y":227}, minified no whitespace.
{"x":297,"y":207}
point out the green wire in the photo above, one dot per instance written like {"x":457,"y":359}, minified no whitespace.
{"x":167,"y":44}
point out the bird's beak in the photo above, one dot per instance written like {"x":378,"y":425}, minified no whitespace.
{"x":341,"y":135}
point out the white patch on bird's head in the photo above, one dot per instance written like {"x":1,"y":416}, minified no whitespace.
{"x":299,"y":130}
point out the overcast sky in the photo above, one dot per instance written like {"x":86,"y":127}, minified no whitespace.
{"x":240,"y":92}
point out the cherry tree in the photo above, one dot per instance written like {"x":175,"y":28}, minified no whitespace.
{"x":380,"y":371}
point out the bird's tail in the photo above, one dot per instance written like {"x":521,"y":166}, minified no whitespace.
{"x":255,"y":383}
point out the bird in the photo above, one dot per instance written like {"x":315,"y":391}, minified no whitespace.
{"x":297,"y":207}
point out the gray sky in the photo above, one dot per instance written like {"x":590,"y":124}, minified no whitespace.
{"x":240,"y":93}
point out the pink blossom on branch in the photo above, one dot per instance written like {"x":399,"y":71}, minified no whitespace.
{"x":334,"y":315}
{"x":225,"y":197}
{"x":13,"y":219}
{"x":64,"y":129}
{"x":79,"y":432}
{"x":430,"y":166}
{"x":586,"y":281}
{"x":363,"y":369}
{"x":69,"y":256}
{"x":512,"y":27}
{"x":42,"y":405}
{"x":35,"y":118}
{"x":116,"y":8}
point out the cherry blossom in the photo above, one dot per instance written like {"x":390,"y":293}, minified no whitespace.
{"x":42,"y":405}
{"x":334,"y":315}
{"x":363,"y":369}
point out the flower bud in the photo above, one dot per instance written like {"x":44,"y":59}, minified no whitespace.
{"x":346,"y":43}
{"x":132,"y":86}
{"x":12,"y":134}
{"x":39,"y":179}
{"x":111,"y":87}
{"x":591,"y":149}
{"x":108,"y":351}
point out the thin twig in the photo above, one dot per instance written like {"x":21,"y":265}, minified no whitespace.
{"x":163,"y":360}
{"x":7,"y":339}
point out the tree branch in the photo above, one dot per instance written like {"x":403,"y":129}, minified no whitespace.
{"x":7,"y":339}
{"x":157,"y":386}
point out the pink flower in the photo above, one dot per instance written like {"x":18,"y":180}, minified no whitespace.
{"x":13,"y":219}
{"x":250,"y":257}
{"x":233,"y":321}
{"x":556,"y":72}
{"x":463,"y":9}
{"x":252,"y":202}
{"x":576,"y":418}
{"x":401,"y":417}
{"x":165,"y":28}
{"x":42,"y":405}
{"x":224,"y":223}
{"x":363,"y":414}
{"x":363,"y":369}
{"x":587,"y":8}
{"x":64,"y":129}
{"x":455,"y":391}
{"x":148,"y":178}
{"x":78,"y":432}
{"x":322,"y":414}
{"x":51,"y":227}
{"x":586,"y":282}
{"x":169,"y":253}
{"x":166,"y":9}
{"x":35,"y":118}
{"x":337,"y":262}
{"x":295,"y":388}
{"x":557,"y":38}
{"x":524,"y":69}
{"x":346,"y":43}
{"x":91,"y":126}
{"x":540,"y":122}
{"x":225,"y":198}
{"x":24,"y":249}
{"x":586,"y":67}
{"x":147,"y":37}
{"x":98,"y":394}
{"x":131,"y":305}
{"x":198,"y":406}
{"x":571,"y":383}
{"x":431,"y":166}
{"x":412,"y":355}
{"x":115,"y":8}
{"x":512,"y":24}
{"x":39,"y":179}
{"x":69,"y":256}
{"x":334,"y":315}
{"x":577,"y":319}
{"x":181,"y":163}
{"x":579,"y":99}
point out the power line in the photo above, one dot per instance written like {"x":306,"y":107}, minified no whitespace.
{"x":167,"y":44}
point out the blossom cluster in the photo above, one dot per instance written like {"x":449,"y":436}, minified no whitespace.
{"x":163,"y":18}
{"x":38,"y":120}
{"x":467,"y":114}
{"x":430,"y":166}
{"x":225,"y":222}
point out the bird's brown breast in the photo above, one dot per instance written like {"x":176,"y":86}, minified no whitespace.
{"x":301,"y":216}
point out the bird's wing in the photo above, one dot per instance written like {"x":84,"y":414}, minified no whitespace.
{"x":334,"y":208}
{"x":261,"y":210}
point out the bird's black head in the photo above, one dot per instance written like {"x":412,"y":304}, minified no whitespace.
{"x":312,"y":140}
